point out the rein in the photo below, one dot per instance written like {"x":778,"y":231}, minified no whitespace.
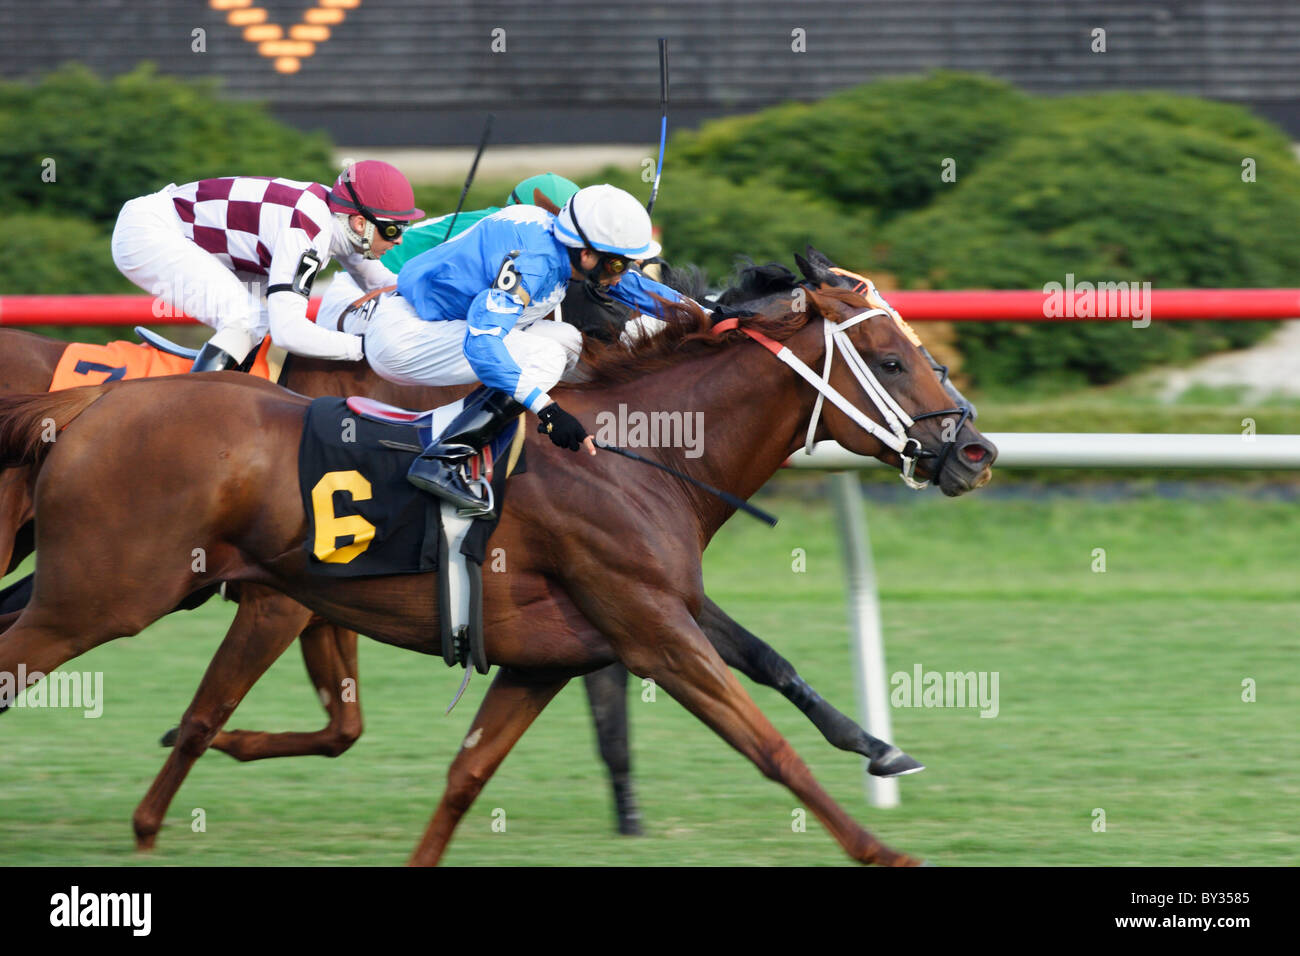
{"x":895,"y":436}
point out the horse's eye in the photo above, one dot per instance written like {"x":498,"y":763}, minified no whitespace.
{"x":891,"y":366}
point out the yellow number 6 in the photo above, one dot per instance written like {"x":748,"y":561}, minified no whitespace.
{"x":330,"y":527}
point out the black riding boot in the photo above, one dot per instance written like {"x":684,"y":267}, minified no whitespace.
{"x":437,"y":471}
{"x":212,"y":358}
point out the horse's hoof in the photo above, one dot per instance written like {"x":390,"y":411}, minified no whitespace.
{"x":629,"y":826}
{"x":169,"y":738}
{"x":894,"y":763}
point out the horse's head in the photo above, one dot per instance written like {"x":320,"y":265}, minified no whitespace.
{"x":920,"y":422}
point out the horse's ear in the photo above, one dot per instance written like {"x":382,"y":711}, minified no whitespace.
{"x":820,"y":259}
{"x":806,"y":267}
{"x":812,"y":268}
{"x":539,"y":199}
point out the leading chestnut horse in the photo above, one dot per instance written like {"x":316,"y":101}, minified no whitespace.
{"x":27,"y":365}
{"x":604,"y":558}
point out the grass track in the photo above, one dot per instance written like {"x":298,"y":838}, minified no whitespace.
{"x":1118,"y":690}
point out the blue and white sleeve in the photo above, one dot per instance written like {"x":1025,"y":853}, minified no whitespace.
{"x":492,"y":315}
{"x":635,"y":288}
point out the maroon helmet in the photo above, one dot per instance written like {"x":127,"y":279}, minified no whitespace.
{"x":376,"y":190}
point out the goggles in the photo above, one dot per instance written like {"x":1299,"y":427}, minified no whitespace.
{"x":388,"y":229}
{"x":609,"y":263}
{"x":613,"y":265}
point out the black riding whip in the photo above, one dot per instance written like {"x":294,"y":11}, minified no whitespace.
{"x":663,"y":120}
{"x":728,"y":497}
{"x":482,"y":145}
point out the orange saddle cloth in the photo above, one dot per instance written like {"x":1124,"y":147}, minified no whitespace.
{"x":86,"y":364}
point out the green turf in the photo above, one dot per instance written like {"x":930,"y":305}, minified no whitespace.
{"x":1118,"y":690}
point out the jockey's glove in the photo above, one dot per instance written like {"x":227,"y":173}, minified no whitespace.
{"x":561,"y":427}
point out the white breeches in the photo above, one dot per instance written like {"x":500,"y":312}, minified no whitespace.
{"x":404,"y":348}
{"x":152,"y":251}
{"x":341,"y":293}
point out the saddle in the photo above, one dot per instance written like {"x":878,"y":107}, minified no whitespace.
{"x":461,"y":542}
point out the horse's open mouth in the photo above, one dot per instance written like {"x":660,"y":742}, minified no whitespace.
{"x":968,"y":467}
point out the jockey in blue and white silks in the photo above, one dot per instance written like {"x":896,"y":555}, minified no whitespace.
{"x":470,"y":310}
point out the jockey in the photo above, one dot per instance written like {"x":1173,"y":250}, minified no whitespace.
{"x":213,"y":248}
{"x":468,"y":310}
{"x":345,"y":306}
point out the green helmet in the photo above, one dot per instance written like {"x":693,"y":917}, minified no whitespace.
{"x":553,"y":186}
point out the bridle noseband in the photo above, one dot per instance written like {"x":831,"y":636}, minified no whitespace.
{"x":895,"y":434}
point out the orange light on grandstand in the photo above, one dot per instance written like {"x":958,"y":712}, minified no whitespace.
{"x":317,"y":15}
{"x":287,"y":64}
{"x":263,"y":31}
{"x":286,"y":48}
{"x":229,"y":4}
{"x":342,"y":4}
{"x":302,"y":31}
{"x":242,"y":18}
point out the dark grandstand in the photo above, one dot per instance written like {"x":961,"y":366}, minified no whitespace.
{"x":423,"y":72}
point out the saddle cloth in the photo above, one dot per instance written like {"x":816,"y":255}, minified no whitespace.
{"x":85,"y":364}
{"x":364,"y":517}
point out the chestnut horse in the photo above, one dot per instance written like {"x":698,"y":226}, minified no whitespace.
{"x":27,"y":364}
{"x":605,"y":558}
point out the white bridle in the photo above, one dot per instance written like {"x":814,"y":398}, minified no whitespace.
{"x":895,"y":436}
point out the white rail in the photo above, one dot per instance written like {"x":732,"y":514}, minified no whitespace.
{"x":1104,"y":450}
{"x":1015,"y":450}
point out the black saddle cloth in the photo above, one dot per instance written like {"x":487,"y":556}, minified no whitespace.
{"x":364,"y":517}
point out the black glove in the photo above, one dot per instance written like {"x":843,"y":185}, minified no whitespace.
{"x":561,"y":427}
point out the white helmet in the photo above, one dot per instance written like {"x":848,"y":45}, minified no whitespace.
{"x":607,"y":219}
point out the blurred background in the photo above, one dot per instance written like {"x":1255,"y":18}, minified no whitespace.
{"x":1125,"y":142}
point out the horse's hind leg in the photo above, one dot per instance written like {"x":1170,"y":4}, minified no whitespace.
{"x":657,"y":637}
{"x":509,"y":707}
{"x":330,"y":653}
{"x":607,"y":694}
{"x":266,"y":624}
{"x":15,"y":516}
{"x":760,"y":662}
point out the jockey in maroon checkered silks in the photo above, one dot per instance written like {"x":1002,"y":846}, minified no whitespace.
{"x":240,"y":254}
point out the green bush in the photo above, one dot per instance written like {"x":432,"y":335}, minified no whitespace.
{"x":710,"y":222}
{"x":879,"y":146}
{"x":1132,"y":187}
{"x":1110,"y":187}
{"x":112,"y":140}
{"x":58,"y":255}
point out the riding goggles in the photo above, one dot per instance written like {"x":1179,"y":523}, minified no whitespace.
{"x":388,"y":229}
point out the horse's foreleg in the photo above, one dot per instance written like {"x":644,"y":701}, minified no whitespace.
{"x":509,"y":707}
{"x":657,"y":638}
{"x":330,"y":653}
{"x":760,"y":662}
{"x":266,"y":624}
{"x":607,"y":694}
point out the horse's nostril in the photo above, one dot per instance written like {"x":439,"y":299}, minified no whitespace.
{"x":974,"y":453}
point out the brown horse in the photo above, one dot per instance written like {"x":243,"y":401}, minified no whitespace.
{"x":27,"y":364}
{"x":605,"y":559}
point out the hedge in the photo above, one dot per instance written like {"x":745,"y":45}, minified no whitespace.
{"x":112,"y":140}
